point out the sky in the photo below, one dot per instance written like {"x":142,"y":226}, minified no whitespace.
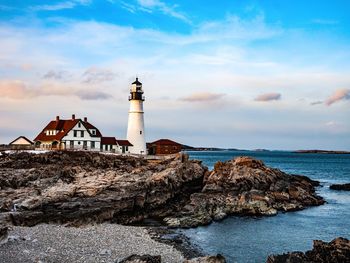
{"x":226,"y":73}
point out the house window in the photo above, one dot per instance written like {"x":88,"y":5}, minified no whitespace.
{"x":79,"y":125}
{"x":140,"y":132}
{"x":92,"y":145}
{"x":75,"y":133}
{"x":71,"y":144}
{"x":81,"y":133}
{"x":93,"y":132}
{"x":126,"y":148}
{"x":85,"y":144}
{"x":106,"y":147}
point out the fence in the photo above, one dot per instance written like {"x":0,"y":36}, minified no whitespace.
{"x":4,"y":147}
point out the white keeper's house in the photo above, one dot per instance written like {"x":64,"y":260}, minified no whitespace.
{"x":78,"y":134}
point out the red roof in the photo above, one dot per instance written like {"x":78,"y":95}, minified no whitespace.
{"x":114,"y":141}
{"x":166,"y":142}
{"x":63,"y":127}
{"x":124,"y":143}
{"x":108,"y":140}
{"x":89,"y":126}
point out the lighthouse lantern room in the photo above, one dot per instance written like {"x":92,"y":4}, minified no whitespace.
{"x":136,"y":126}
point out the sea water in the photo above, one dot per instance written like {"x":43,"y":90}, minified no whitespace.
{"x":252,"y":239}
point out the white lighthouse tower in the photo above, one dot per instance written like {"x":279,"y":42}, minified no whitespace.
{"x":136,"y":126}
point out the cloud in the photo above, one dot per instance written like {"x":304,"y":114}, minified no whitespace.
{"x":129,"y":7}
{"x":268,"y":97}
{"x":338,"y":95}
{"x":60,"y":6}
{"x":92,"y":95}
{"x":203,"y":97}
{"x":95,"y":75}
{"x":150,"y":5}
{"x":57,"y":75}
{"x":16,"y":89}
{"x":316,"y":102}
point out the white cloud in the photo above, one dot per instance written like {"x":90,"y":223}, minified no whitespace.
{"x":157,"y":5}
{"x":60,"y":5}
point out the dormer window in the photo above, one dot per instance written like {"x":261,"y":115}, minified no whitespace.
{"x":93,"y":132}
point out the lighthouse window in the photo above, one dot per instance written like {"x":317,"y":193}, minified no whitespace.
{"x":140,"y":132}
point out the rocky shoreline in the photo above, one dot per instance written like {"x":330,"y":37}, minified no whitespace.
{"x":336,"y":251}
{"x":84,"y":188}
{"x":78,"y":188}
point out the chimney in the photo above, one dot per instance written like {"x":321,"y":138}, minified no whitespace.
{"x":73,"y":117}
{"x":85,"y":119}
{"x":57,"y":118}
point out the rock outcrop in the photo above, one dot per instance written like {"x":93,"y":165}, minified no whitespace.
{"x":87,"y":187}
{"x":344,"y":187}
{"x":336,"y":251}
{"x":84,"y":187}
{"x":245,"y":186}
{"x":208,"y":259}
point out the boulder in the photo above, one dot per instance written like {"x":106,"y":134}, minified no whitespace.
{"x":245,"y":186}
{"x":208,"y":259}
{"x":336,"y":251}
{"x":344,"y":187}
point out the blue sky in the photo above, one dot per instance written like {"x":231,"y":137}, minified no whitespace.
{"x":240,"y":74}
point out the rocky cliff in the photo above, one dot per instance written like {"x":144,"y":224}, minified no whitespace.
{"x":83,"y":187}
{"x":245,"y":186}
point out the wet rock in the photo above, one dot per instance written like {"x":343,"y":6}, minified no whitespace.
{"x":208,"y":259}
{"x":245,"y":186}
{"x":141,"y":259}
{"x":336,"y":251}
{"x":344,"y":187}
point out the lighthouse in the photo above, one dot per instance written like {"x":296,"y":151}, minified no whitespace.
{"x":136,"y":126}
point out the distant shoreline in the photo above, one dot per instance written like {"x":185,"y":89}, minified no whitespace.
{"x":199,"y":149}
{"x":322,"y":151}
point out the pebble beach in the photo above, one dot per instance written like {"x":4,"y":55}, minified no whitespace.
{"x":107,"y":243}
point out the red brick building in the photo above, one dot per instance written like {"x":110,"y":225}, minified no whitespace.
{"x":163,"y":146}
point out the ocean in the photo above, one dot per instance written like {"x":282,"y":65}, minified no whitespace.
{"x":252,"y":239}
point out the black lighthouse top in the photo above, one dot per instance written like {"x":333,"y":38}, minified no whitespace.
{"x":136,"y":91}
